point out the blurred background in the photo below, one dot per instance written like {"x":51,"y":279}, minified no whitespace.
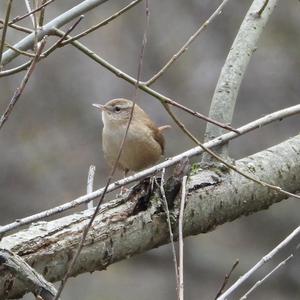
{"x":54,"y":134}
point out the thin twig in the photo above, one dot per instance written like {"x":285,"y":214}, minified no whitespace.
{"x":86,"y":229}
{"x":58,"y":43}
{"x":17,"y":27}
{"x":257,"y":124}
{"x":225,"y":281}
{"x":42,"y":13}
{"x":30,"y":12}
{"x":257,"y":266}
{"x":29,"y":54}
{"x":4,"y":30}
{"x":64,"y":18}
{"x":166,"y":207}
{"x":90,"y":184}
{"x":20,"y":89}
{"x":163,"y":99}
{"x":227,"y":164}
{"x":44,"y":55}
{"x":187,"y":44}
{"x":105,"y":22}
{"x":260,"y":282}
{"x":17,"y":69}
{"x":223,"y":161}
{"x":180,"y":237}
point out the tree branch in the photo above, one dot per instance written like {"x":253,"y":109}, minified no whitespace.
{"x":21,"y":271}
{"x":226,"y":91}
{"x":279,"y":115}
{"x":212,"y":199}
{"x":58,"y":22}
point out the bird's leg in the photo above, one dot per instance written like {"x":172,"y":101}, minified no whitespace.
{"x":123,"y":188}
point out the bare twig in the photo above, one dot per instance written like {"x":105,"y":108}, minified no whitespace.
{"x":17,"y":69}
{"x":4,"y":30}
{"x":86,"y":229}
{"x":260,"y":282}
{"x":30,"y":12}
{"x":163,"y":99}
{"x":57,"y":22}
{"x":29,"y":54}
{"x":20,"y":89}
{"x":59,"y":42}
{"x":166,"y":207}
{"x":225,"y":281}
{"x":105,"y":22}
{"x":180,"y":237}
{"x":187,"y":44}
{"x":279,"y":115}
{"x":264,"y":260}
{"x":90,"y":184}
{"x":42,"y":13}
{"x":44,"y":55}
{"x":17,"y":27}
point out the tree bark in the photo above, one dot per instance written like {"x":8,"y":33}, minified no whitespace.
{"x":215,"y":196}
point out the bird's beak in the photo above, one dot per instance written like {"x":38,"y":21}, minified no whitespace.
{"x":99,"y":106}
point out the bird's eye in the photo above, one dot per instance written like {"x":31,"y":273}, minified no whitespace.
{"x":117,"y":109}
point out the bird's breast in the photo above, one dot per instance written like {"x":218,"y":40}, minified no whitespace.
{"x":140,"y":149}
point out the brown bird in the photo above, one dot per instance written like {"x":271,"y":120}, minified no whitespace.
{"x":144,"y":144}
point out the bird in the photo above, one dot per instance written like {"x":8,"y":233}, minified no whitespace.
{"x":144,"y":144}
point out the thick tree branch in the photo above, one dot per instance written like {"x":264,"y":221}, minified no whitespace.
{"x":226,"y":92}
{"x":279,"y":115}
{"x":212,"y":199}
{"x":21,"y":271}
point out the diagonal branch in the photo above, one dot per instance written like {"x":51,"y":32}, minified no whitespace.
{"x":103,"y":23}
{"x":258,"y":265}
{"x":279,"y":115}
{"x":20,"y":89}
{"x":30,"y":12}
{"x":163,"y":99}
{"x":224,"y":196}
{"x":66,"y":17}
{"x":187,"y":44}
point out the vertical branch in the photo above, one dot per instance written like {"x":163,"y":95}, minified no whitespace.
{"x":163,"y":195}
{"x":42,"y":14}
{"x":180,"y":238}
{"x":29,"y":10}
{"x":244,"y":45}
{"x":90,"y":184}
{"x":4,"y":30}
